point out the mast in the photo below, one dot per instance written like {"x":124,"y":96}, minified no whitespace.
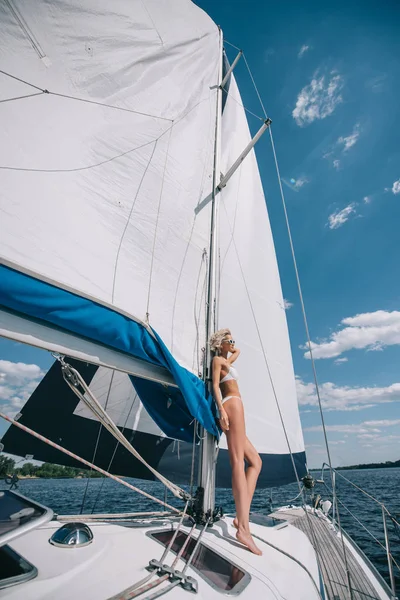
{"x":208,"y":447}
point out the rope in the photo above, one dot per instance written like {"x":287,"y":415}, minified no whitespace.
{"x":291,"y":558}
{"x":156,"y":227}
{"x":85,"y":462}
{"x":74,"y":380}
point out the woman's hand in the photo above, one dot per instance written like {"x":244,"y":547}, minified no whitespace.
{"x":223,"y":419}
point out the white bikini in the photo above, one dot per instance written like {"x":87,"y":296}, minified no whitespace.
{"x":232,"y":374}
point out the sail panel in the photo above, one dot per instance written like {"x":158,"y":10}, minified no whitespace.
{"x":173,"y":408}
{"x":251,"y":301}
{"x":102,"y":174}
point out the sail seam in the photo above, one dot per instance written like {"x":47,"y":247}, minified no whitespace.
{"x":129,"y":218}
{"x":156,"y":225}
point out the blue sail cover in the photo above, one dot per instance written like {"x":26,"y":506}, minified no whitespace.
{"x":173,"y":409}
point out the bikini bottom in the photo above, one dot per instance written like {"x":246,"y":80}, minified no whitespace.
{"x":228,"y":398}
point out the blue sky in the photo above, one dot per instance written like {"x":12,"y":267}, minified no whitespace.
{"x":329,"y":76}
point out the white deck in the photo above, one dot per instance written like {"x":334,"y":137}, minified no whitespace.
{"x":118,"y":556}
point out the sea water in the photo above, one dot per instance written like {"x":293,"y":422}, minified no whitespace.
{"x":72,"y":496}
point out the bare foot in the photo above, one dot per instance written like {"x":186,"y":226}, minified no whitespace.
{"x":235,"y":523}
{"x":245,"y":538}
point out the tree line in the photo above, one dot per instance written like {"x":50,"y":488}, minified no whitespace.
{"x":47,"y":470}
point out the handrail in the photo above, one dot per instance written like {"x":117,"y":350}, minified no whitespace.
{"x":385,"y":513}
{"x":357,"y":487}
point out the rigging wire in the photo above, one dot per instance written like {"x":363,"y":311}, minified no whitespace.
{"x":86,"y":100}
{"x":21,"y":97}
{"x":74,"y":380}
{"x":84,"y":461}
{"x":305,"y":324}
{"x":114,"y":453}
{"x":310,"y":524}
{"x":96,"y":446}
{"x":242,"y":105}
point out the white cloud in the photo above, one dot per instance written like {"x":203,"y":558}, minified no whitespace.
{"x":396,"y":187}
{"x":352,"y":429}
{"x":350,"y":140}
{"x":318,"y":99}
{"x":372,"y":331}
{"x":365,"y":429}
{"x":377,"y":83}
{"x":300,"y":182}
{"x":367,"y":199}
{"x":303,"y":50}
{"x":383,"y":423}
{"x":339,"y":218}
{"x":338,"y":361}
{"x":287,"y":304}
{"x":336,"y":164}
{"x":17,"y":382}
{"x":346,"y":398}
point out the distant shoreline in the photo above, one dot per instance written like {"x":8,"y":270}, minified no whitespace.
{"x":386,"y":465}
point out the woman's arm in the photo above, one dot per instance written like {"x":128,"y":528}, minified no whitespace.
{"x":234,"y":356}
{"x":216,"y":375}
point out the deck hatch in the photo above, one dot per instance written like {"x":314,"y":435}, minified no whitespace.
{"x":218,"y":571}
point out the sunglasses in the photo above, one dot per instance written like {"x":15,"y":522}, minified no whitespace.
{"x":229,"y":342}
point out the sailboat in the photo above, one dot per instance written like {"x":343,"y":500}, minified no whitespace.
{"x":134,"y":224}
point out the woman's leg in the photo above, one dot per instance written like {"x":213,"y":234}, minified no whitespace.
{"x":254,"y":464}
{"x":236,"y":437}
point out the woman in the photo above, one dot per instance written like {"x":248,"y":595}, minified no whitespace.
{"x":230,"y":406}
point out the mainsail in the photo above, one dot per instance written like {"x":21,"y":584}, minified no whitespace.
{"x":106,"y":171}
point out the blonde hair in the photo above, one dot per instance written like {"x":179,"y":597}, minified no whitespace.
{"x":216,"y":339}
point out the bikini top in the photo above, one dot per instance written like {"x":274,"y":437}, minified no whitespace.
{"x":232,"y":374}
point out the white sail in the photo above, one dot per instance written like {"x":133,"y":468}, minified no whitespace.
{"x":250,"y":301}
{"x":105,"y":187}
{"x":104,"y":172}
